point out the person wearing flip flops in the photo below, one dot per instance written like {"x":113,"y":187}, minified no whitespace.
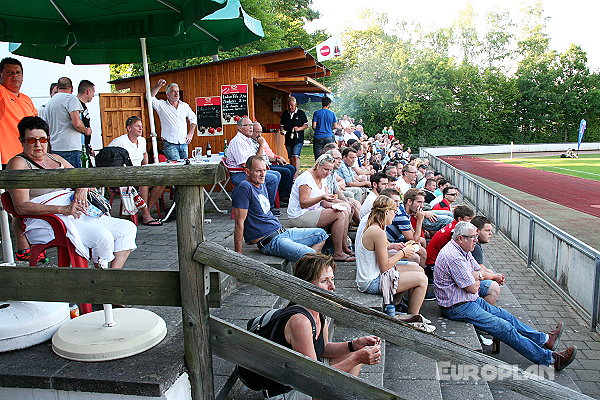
{"x":375,"y":263}
{"x":457,"y":277}
{"x":135,"y":144}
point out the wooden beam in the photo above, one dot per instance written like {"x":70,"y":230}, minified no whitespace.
{"x":287,"y":65}
{"x":296,"y":54}
{"x":159,"y":175}
{"x":193,"y":279}
{"x":356,"y":316}
{"x":289,"y":367}
{"x":90,"y":285}
{"x":313,"y":70}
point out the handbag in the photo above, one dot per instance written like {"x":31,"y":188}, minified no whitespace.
{"x":131,"y":200}
{"x":97,"y":200}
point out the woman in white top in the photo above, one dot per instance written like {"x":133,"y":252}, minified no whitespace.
{"x":373,"y":257}
{"x":311,"y":205}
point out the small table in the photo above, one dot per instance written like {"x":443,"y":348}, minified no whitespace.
{"x":214,"y":159}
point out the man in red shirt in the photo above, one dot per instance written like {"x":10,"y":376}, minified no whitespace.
{"x":450,"y":193}
{"x":443,"y":236}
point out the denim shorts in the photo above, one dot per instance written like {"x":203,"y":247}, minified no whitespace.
{"x":294,"y":150}
{"x":484,"y":287}
{"x":373,"y":286}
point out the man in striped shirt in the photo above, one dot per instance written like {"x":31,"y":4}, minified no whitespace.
{"x":457,"y":277}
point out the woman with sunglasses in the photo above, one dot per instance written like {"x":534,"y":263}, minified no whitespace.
{"x":111,"y":239}
{"x":312,"y":206}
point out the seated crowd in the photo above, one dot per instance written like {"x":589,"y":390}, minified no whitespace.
{"x":413,"y":238}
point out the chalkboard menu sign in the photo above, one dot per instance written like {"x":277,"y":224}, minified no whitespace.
{"x":208,"y":110}
{"x":235,"y":103}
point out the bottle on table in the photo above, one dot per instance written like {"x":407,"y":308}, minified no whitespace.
{"x":225,"y":148}
{"x":208,"y":150}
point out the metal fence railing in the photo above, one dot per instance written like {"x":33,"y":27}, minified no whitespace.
{"x":569,"y":265}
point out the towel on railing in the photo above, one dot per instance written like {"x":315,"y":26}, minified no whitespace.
{"x":388,"y":284}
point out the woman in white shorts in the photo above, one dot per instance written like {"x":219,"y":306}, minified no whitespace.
{"x":311,"y":205}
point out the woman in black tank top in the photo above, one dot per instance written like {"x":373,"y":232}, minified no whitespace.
{"x":298,"y":333}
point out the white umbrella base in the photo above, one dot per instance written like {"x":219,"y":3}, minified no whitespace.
{"x":85,"y":338}
{"x":27,"y":323}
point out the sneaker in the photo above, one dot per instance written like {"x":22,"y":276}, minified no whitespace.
{"x":430,"y":295}
{"x":25,"y":255}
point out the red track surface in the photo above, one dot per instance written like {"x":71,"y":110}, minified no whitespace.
{"x":576,"y":193}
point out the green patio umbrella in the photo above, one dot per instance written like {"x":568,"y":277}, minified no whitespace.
{"x":225,"y":28}
{"x":60,"y":22}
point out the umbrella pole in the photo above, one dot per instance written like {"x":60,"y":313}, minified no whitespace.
{"x":149,"y":100}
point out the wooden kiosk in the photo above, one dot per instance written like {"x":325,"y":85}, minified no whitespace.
{"x":267,"y":78}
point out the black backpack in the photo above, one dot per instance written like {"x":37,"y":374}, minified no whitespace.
{"x":268,"y":326}
{"x":113,"y":157}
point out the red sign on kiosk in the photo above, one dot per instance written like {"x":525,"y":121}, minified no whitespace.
{"x":208,"y":111}
{"x":234,"y":100}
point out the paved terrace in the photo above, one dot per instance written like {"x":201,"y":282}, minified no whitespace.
{"x":540,"y":304}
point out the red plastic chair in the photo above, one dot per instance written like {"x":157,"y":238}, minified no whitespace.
{"x":67,"y":255}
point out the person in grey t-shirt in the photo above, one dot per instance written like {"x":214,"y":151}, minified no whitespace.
{"x":63,"y":114}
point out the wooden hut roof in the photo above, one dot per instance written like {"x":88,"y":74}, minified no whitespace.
{"x":296,"y":70}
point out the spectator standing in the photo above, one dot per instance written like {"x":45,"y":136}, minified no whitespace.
{"x":63,"y":114}
{"x":240,"y":148}
{"x":293,"y":123}
{"x":14,"y":105}
{"x":135,"y":144}
{"x":457,"y":278}
{"x":323,"y":124}
{"x":85,"y":94}
{"x":53,"y":91}
{"x":256,"y":224}
{"x":174,"y":116}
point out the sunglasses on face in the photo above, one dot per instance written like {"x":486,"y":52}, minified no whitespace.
{"x":34,"y":140}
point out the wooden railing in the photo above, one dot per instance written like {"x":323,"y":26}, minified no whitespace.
{"x":187,"y":288}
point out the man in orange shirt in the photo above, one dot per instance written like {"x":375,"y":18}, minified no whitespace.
{"x":14,"y":106}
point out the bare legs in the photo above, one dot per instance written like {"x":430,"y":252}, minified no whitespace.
{"x":339,"y":230}
{"x":151,"y":198}
{"x":413,"y":277}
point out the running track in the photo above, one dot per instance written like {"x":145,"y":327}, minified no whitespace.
{"x":576,"y":193}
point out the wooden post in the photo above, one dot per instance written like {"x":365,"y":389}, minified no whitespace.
{"x":194,"y":306}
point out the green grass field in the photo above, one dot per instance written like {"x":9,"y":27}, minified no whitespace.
{"x":587,"y":166}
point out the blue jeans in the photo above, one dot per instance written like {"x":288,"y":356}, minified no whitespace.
{"x":294,"y":150}
{"x":73,"y":157}
{"x":271,"y":181}
{"x":295,"y":242}
{"x":318,"y":145}
{"x":441,"y":222}
{"x":287,"y":174}
{"x":174,"y":151}
{"x":504,"y":326}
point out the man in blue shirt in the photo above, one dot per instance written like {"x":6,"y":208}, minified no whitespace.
{"x":323,"y":124}
{"x":256,"y":224}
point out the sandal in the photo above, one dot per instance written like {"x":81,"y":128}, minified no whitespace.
{"x":348,"y":258}
{"x":423,"y":327}
{"x":153,"y":222}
